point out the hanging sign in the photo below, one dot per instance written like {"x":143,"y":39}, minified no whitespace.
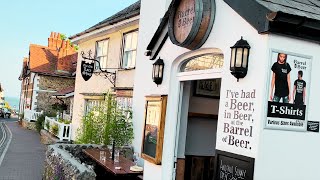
{"x":288,"y":96}
{"x":86,"y":70}
{"x":190,"y":22}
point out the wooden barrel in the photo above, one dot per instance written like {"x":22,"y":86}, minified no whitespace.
{"x":190,"y":22}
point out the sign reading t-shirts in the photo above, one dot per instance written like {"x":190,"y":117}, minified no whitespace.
{"x":288,"y":94}
{"x":86,"y":70}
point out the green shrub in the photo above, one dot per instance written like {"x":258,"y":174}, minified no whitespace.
{"x":40,"y":122}
{"x":106,"y":124}
{"x":55,"y":129}
{"x":48,"y":125}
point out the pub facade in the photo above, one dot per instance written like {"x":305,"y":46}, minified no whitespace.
{"x":227,"y":89}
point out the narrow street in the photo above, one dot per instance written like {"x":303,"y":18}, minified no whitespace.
{"x":21,"y":153}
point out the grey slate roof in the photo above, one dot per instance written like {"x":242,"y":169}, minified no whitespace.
{"x":304,"y":8}
{"x":128,"y":12}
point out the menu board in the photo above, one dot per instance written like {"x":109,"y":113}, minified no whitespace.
{"x":229,"y":166}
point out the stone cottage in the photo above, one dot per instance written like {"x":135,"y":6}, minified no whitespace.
{"x":47,"y":70}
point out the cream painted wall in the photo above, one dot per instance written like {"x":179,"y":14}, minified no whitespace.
{"x":126,"y":78}
{"x":98,"y":84}
{"x":227,"y":29}
{"x":291,"y":155}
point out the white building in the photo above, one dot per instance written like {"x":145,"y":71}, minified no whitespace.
{"x":235,"y":130}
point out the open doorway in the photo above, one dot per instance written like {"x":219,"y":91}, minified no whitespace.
{"x":198,"y":127}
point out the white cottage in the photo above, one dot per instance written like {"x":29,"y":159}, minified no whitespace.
{"x":246,"y":112}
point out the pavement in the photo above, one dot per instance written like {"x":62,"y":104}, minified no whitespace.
{"x":22,"y":155}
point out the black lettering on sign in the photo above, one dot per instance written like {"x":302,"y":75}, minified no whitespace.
{"x":229,"y":166}
{"x":185,"y":17}
{"x":86,"y":70}
{"x":287,"y":111}
{"x":313,"y":126}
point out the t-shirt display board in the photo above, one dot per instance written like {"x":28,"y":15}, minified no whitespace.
{"x":289,"y":87}
{"x":229,"y":166}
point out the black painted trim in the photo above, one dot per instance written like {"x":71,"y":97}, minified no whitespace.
{"x":266,"y":21}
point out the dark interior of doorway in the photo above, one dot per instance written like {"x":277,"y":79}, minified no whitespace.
{"x":198,"y":162}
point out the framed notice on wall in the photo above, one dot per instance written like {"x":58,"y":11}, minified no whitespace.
{"x":154,"y":121}
{"x":288,"y":96}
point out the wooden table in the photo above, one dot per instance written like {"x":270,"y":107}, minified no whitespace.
{"x":109,"y":165}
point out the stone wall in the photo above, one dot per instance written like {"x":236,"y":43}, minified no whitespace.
{"x":28,"y":125}
{"x":60,"y":164}
{"x":47,"y":86}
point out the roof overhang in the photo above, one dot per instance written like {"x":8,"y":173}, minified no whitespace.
{"x":100,"y":31}
{"x":265,"y":20}
{"x":67,"y":95}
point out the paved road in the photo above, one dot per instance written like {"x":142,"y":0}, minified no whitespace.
{"x":24,"y":156}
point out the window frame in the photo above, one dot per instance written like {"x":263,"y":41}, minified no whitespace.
{"x":123,"y":48}
{"x":96,"y":54}
{"x":86,"y":104}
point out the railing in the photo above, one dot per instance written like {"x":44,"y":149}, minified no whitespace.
{"x":30,"y":115}
{"x":67,"y":117}
{"x":63,"y":131}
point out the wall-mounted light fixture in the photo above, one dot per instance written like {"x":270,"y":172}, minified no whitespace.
{"x":239,"y":59}
{"x":157,"y":71}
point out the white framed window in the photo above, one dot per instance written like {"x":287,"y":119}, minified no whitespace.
{"x":125,"y":102}
{"x":89,"y":104}
{"x":130,"y":41}
{"x":102,"y":48}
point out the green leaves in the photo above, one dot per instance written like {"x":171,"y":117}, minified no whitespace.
{"x":106,"y":123}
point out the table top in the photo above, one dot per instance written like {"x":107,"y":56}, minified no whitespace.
{"x":109,"y":165}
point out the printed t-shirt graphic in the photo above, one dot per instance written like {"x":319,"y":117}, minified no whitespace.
{"x":281,"y":83}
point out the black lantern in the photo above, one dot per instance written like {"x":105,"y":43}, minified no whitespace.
{"x":239,"y":59}
{"x":157,"y":71}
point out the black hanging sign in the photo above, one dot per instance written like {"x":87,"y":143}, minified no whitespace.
{"x":229,"y":166}
{"x":86,"y":70}
{"x":313,"y":126}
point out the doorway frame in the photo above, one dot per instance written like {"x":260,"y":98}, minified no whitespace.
{"x":172,"y":125}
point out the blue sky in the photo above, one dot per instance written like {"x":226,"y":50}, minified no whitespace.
{"x":30,"y":22}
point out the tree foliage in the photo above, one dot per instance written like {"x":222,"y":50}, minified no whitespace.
{"x":106,"y":123}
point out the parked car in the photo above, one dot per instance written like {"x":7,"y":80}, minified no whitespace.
{"x":5,"y":113}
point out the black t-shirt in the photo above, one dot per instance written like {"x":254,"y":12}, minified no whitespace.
{"x":300,"y":85}
{"x":281,"y":83}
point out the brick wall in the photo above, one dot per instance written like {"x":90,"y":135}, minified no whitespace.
{"x":49,"y":83}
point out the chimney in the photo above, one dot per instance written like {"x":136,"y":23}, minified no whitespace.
{"x":54,"y":41}
{"x":64,"y":52}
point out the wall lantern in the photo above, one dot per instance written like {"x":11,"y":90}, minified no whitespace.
{"x":239,"y":59}
{"x":157,"y":71}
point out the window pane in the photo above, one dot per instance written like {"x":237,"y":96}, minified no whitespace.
{"x":103,"y":62}
{"x":129,"y":50}
{"x":99,"y":51}
{"x":105,"y":48}
{"x":125,"y":59}
{"x":133,"y":60}
{"x":134,"y":41}
{"x":91,"y":104}
{"x":127,"y":41}
{"x":208,"y":61}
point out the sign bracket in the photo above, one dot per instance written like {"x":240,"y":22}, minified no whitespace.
{"x":111,"y":76}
